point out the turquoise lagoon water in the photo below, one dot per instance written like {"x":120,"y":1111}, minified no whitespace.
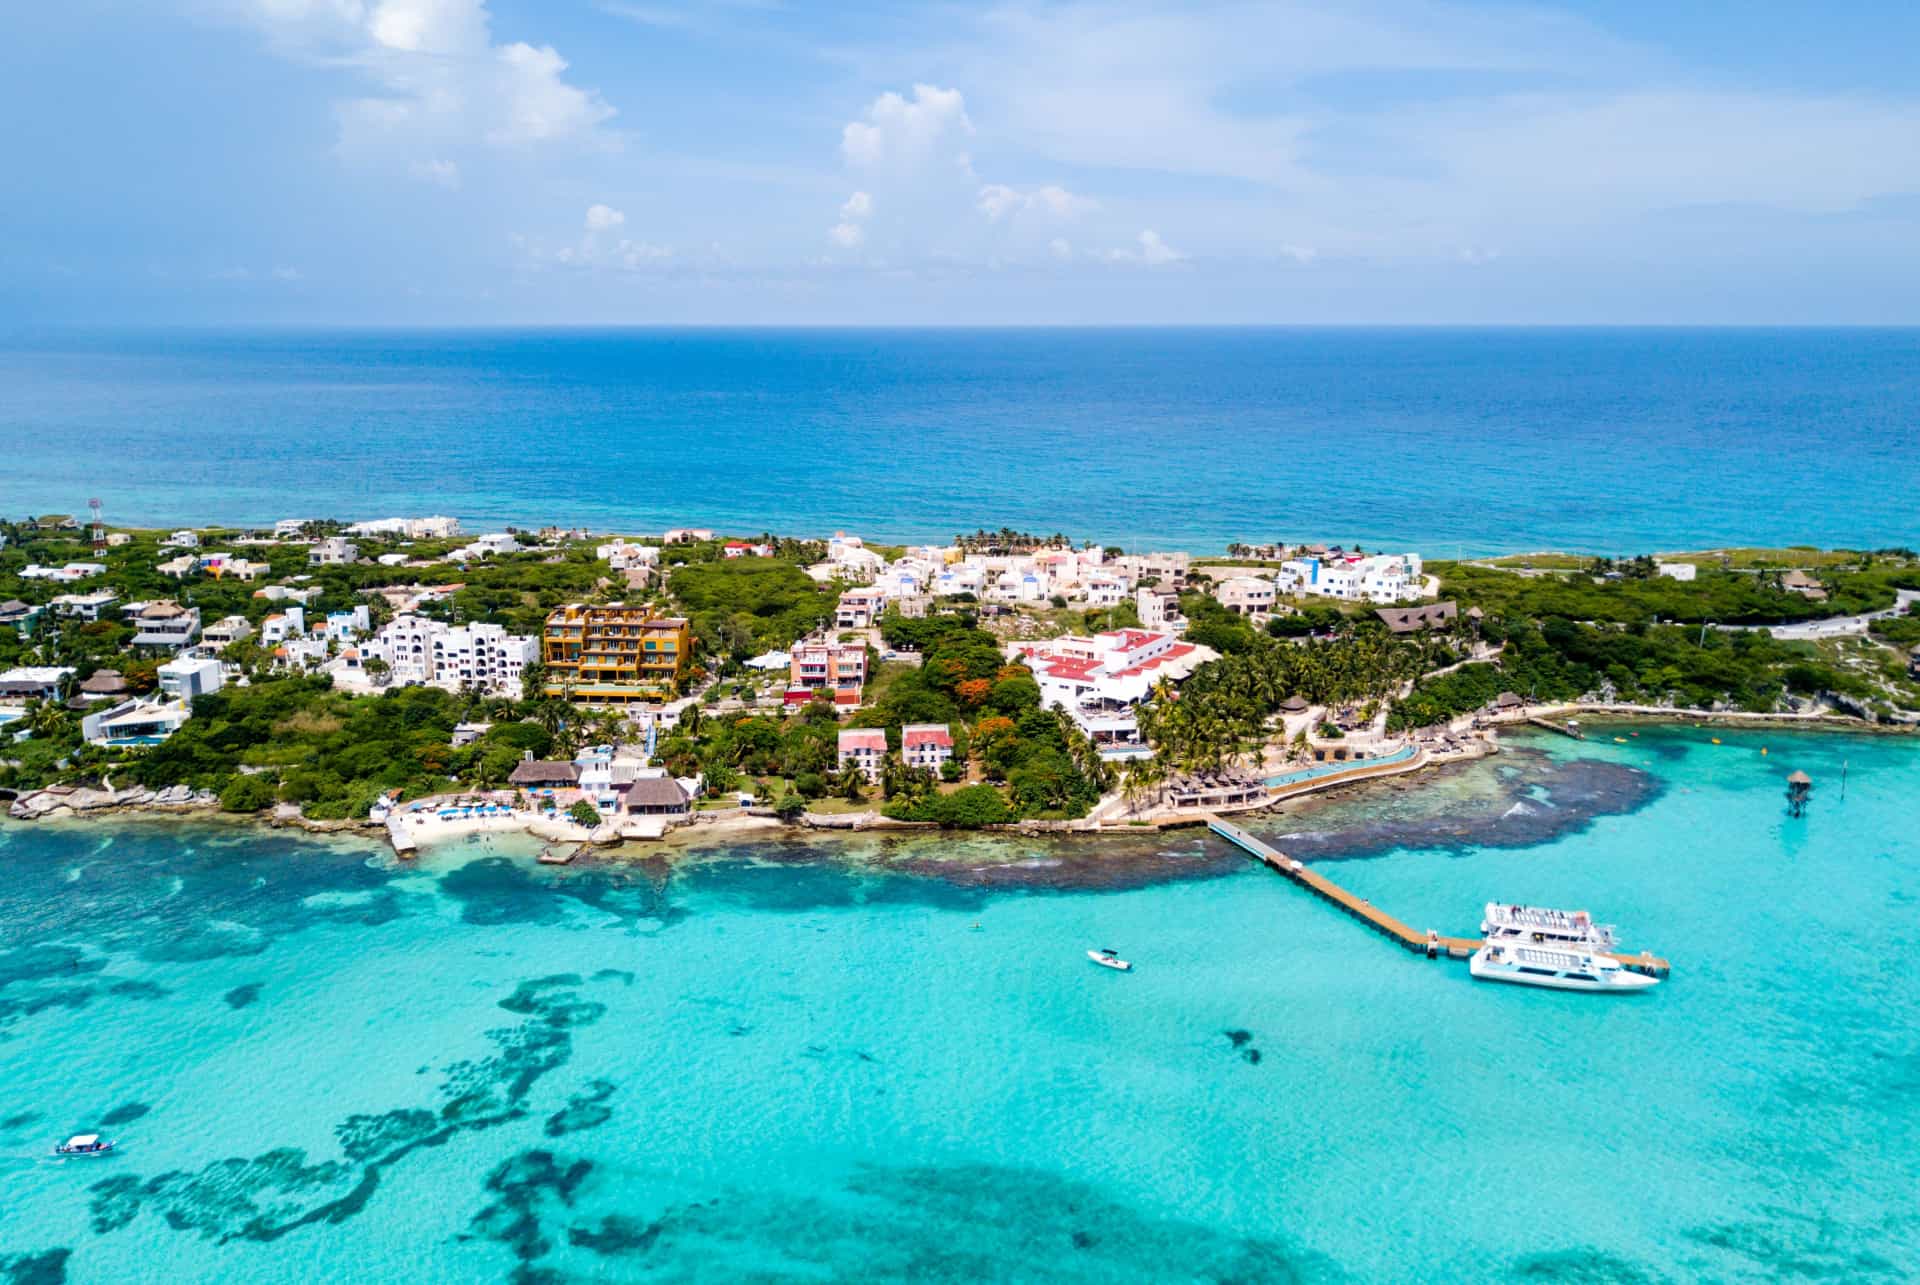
{"x":1445,"y":440}
{"x":325,"y":1066}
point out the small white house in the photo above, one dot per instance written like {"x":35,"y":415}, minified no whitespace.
{"x":186,"y":677}
{"x":334,"y":551}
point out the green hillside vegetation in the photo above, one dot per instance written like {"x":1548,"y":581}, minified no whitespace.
{"x":745,"y":606}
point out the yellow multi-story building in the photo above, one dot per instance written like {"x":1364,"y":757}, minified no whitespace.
{"x":615,"y":654}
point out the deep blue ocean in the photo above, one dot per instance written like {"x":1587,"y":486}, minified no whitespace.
{"x":1448,"y":440}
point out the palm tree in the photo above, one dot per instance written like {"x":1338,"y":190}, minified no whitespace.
{"x":46,"y":719}
{"x":850,"y":781}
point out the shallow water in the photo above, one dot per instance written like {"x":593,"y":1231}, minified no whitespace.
{"x":325,"y":1066}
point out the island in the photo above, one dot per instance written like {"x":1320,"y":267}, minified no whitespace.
{"x":604,"y":688}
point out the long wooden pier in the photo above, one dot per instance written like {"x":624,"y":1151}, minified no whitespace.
{"x":1428,"y":942}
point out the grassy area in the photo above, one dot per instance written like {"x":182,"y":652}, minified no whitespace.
{"x":1528,"y":562}
{"x":1758,"y":559}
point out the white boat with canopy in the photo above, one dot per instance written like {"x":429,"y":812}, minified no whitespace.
{"x":1545,"y":926}
{"x":1557,"y":968}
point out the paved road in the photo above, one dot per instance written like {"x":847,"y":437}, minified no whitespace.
{"x":1842,"y":626}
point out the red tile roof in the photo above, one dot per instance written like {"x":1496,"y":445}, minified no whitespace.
{"x":863,"y":738}
{"x":931,"y":735}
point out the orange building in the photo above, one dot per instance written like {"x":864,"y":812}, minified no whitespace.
{"x":615,"y":654}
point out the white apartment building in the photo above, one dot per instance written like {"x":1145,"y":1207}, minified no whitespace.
{"x":182,"y":540}
{"x":405,"y":643}
{"x":422,"y":651}
{"x":483,"y":656}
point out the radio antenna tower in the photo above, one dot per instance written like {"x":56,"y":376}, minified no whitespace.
{"x":99,"y":530}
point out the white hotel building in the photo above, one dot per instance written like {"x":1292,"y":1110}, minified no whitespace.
{"x":1099,"y":680}
{"x":1382,"y":578}
{"x":422,"y":651}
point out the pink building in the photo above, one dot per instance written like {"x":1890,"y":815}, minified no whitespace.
{"x":839,"y":666}
{"x":865,"y":747}
{"x":927,"y":745}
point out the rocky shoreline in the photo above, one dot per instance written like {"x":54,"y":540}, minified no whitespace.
{"x":70,"y":801}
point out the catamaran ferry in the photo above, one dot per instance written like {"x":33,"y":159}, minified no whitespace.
{"x":1558,"y":968}
{"x":1545,"y":927}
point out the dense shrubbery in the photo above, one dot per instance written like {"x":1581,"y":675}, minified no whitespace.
{"x":1722,"y":597}
{"x":968,"y":807}
{"x":747,"y":605}
{"x":333,"y":754}
{"x":1558,"y":660}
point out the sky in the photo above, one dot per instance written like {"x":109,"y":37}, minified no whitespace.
{"x":430,"y":162}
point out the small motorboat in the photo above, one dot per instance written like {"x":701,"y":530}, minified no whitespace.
{"x":84,"y":1144}
{"x":1107,"y":957}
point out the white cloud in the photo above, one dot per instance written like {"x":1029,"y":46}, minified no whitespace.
{"x":288,"y":274}
{"x":536,"y":103}
{"x":1060,"y":248}
{"x":907,"y":134}
{"x":1152,"y":252}
{"x":1299,"y":253}
{"x":440,"y":173}
{"x":592,"y":251}
{"x":433,"y":75}
{"x":847,"y":236}
{"x":997,"y":201}
{"x":858,"y":206}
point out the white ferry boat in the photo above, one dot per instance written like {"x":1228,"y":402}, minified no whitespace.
{"x":1554,"y":967}
{"x":1544,"y":926}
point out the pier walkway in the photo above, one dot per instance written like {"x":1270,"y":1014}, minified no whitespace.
{"x":1567,"y":728}
{"x":1426,"y":942}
